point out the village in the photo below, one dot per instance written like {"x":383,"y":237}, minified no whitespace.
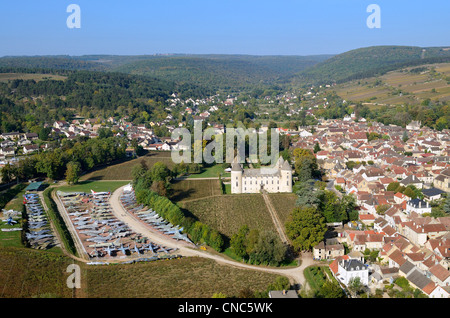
{"x":396,"y":175}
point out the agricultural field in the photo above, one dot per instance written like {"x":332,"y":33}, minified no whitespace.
{"x":194,"y":189}
{"x":5,"y":77}
{"x":283,"y":203}
{"x":122,"y":171}
{"x":227,"y":213}
{"x":27,"y":273}
{"x":169,"y":279}
{"x":400,"y":87}
{"x":30,"y":273}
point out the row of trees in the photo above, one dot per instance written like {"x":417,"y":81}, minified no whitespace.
{"x":73,"y":157}
{"x":151,"y":184}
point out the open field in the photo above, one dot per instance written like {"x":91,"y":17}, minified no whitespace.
{"x":31,"y":273}
{"x":400,"y":87}
{"x":227,"y":213}
{"x":195,"y":189}
{"x":187,"y":277}
{"x":122,"y":171}
{"x":4,"y":77}
{"x":98,"y":186}
{"x":283,"y":203}
{"x":211,"y":172}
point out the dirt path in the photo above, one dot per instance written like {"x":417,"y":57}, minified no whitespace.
{"x":275,"y":219}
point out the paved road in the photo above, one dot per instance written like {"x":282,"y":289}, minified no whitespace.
{"x":295,"y":274}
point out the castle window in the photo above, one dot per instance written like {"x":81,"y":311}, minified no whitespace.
{"x":236,"y":183}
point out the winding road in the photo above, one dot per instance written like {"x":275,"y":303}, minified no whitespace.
{"x":184,"y":249}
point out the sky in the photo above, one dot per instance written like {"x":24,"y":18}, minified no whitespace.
{"x":255,"y":27}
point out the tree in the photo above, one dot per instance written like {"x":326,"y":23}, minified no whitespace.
{"x":393,"y":186}
{"x":331,"y":290}
{"x":355,"y":285}
{"x":159,"y":172}
{"x":307,"y":194}
{"x":306,"y":228}
{"x":317,"y":147}
{"x":73,"y":172}
{"x":8,"y":173}
{"x":269,"y":249}
{"x":238,"y":242}
{"x":405,"y":136}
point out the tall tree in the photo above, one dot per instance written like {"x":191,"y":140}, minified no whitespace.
{"x":306,"y":228}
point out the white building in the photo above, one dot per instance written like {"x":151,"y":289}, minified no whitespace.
{"x":418,"y":206}
{"x":350,"y":269}
{"x":278,"y":179}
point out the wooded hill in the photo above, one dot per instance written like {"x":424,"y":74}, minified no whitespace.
{"x":369,"y":62}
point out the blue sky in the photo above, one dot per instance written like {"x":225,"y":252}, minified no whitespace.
{"x":260,"y":27}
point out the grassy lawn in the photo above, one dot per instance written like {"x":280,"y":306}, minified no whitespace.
{"x":98,"y":186}
{"x":211,"y":172}
{"x":194,"y":189}
{"x":10,"y":239}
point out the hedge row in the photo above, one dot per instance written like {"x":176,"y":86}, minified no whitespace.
{"x":199,"y":233}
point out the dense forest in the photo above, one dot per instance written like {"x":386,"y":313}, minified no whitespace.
{"x":28,"y":103}
{"x":368,"y":62}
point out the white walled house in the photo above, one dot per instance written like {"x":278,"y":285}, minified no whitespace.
{"x":350,"y":269}
{"x":418,"y":206}
{"x":275,"y":180}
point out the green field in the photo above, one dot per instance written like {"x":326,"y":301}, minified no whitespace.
{"x":26,"y":273}
{"x":4,"y":77}
{"x":98,"y":186}
{"x":227,"y":213}
{"x":194,"y":189}
{"x":211,"y":172}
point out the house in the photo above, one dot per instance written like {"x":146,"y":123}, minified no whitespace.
{"x":440,"y":275}
{"x":351,"y":269}
{"x":442,"y":182}
{"x":7,"y":152}
{"x":436,"y":291}
{"x":432,"y":194}
{"x":30,"y":148}
{"x":413,"y":125}
{"x":418,"y":206}
{"x":11,"y":135}
{"x":412,"y":180}
{"x":328,"y":251}
{"x":31,"y":136}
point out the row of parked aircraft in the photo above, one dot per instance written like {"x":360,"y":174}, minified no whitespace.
{"x":128,"y":201}
{"x":39,"y":234}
